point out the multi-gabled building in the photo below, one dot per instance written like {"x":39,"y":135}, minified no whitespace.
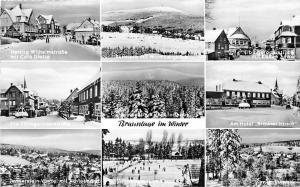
{"x":48,"y":25}
{"x":16,"y":97}
{"x":239,"y":40}
{"x":88,"y":28}
{"x":287,"y":38}
{"x":17,"y":21}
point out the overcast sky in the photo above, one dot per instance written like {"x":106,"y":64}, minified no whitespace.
{"x":136,"y":134}
{"x":66,"y":139}
{"x":65,"y":11}
{"x":195,"y":7}
{"x":268,"y":135}
{"x":152,"y":71}
{"x":51,"y":80}
{"x":286,"y":73}
{"x":257,"y":18}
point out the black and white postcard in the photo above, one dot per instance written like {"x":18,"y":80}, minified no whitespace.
{"x":50,"y":95}
{"x":258,"y":157}
{"x":252,"y":94}
{"x":160,"y":158}
{"x":153,"y":90}
{"x":50,"y":158}
{"x":252,"y":30}
{"x":152,"y":30}
{"x":64,"y":30}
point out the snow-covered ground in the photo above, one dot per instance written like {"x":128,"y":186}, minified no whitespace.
{"x":170,"y":177}
{"x":12,"y":160}
{"x":157,"y":42}
{"x":57,"y":49}
{"x":51,"y":121}
{"x":278,"y":149}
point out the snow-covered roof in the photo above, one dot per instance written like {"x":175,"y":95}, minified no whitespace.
{"x":18,"y":11}
{"x":239,"y":36}
{"x":212,"y":35}
{"x":73,"y":26}
{"x":48,"y":18}
{"x":240,"y":85}
{"x":295,"y":21}
{"x":288,"y":33}
{"x":84,"y":29}
{"x":232,"y":33}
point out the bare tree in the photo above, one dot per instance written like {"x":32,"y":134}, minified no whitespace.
{"x":165,"y":137}
{"x":172,"y":139}
{"x":179,"y":139}
{"x":149,"y":138}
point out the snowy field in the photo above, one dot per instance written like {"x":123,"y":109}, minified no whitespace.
{"x":278,"y":149}
{"x":157,"y":42}
{"x":11,"y":160}
{"x":157,"y":173}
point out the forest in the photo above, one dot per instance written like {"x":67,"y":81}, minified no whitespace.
{"x":152,"y":99}
{"x":147,"y":148}
{"x":229,"y":163}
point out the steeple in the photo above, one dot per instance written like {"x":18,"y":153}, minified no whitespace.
{"x":276,"y":85}
{"x":25,"y":85}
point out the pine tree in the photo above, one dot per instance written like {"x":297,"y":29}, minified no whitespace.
{"x":137,"y":106}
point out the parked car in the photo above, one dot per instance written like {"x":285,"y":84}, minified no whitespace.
{"x":244,"y":104}
{"x":21,"y":113}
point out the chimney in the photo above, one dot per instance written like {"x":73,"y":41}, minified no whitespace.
{"x":71,"y":91}
{"x":234,"y":80}
{"x":214,"y":28}
{"x":11,"y":84}
{"x":22,"y":86}
{"x":259,"y":82}
{"x":20,"y":5}
{"x":217,"y":88}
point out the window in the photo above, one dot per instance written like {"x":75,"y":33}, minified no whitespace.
{"x":239,"y":94}
{"x":219,"y":46}
{"x":254,"y":95}
{"x":263,"y":95}
{"x":248,"y":94}
{"x":258,"y":95}
{"x":95,"y":91}
{"x":227,"y":93}
{"x":91,"y":92}
{"x":267,"y":96}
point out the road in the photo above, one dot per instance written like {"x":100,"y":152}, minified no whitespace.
{"x":58,"y":49}
{"x":51,"y":121}
{"x":274,"y":117}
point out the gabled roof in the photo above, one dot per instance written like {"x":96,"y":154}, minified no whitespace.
{"x":92,"y":21}
{"x":236,"y":33}
{"x":73,"y":26}
{"x":212,"y":35}
{"x":73,"y":94}
{"x":18,"y":11}
{"x":48,"y":18}
{"x":240,"y":85}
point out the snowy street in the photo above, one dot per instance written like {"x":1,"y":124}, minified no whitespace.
{"x":255,"y":117}
{"x":51,"y":121}
{"x":57,"y":49}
